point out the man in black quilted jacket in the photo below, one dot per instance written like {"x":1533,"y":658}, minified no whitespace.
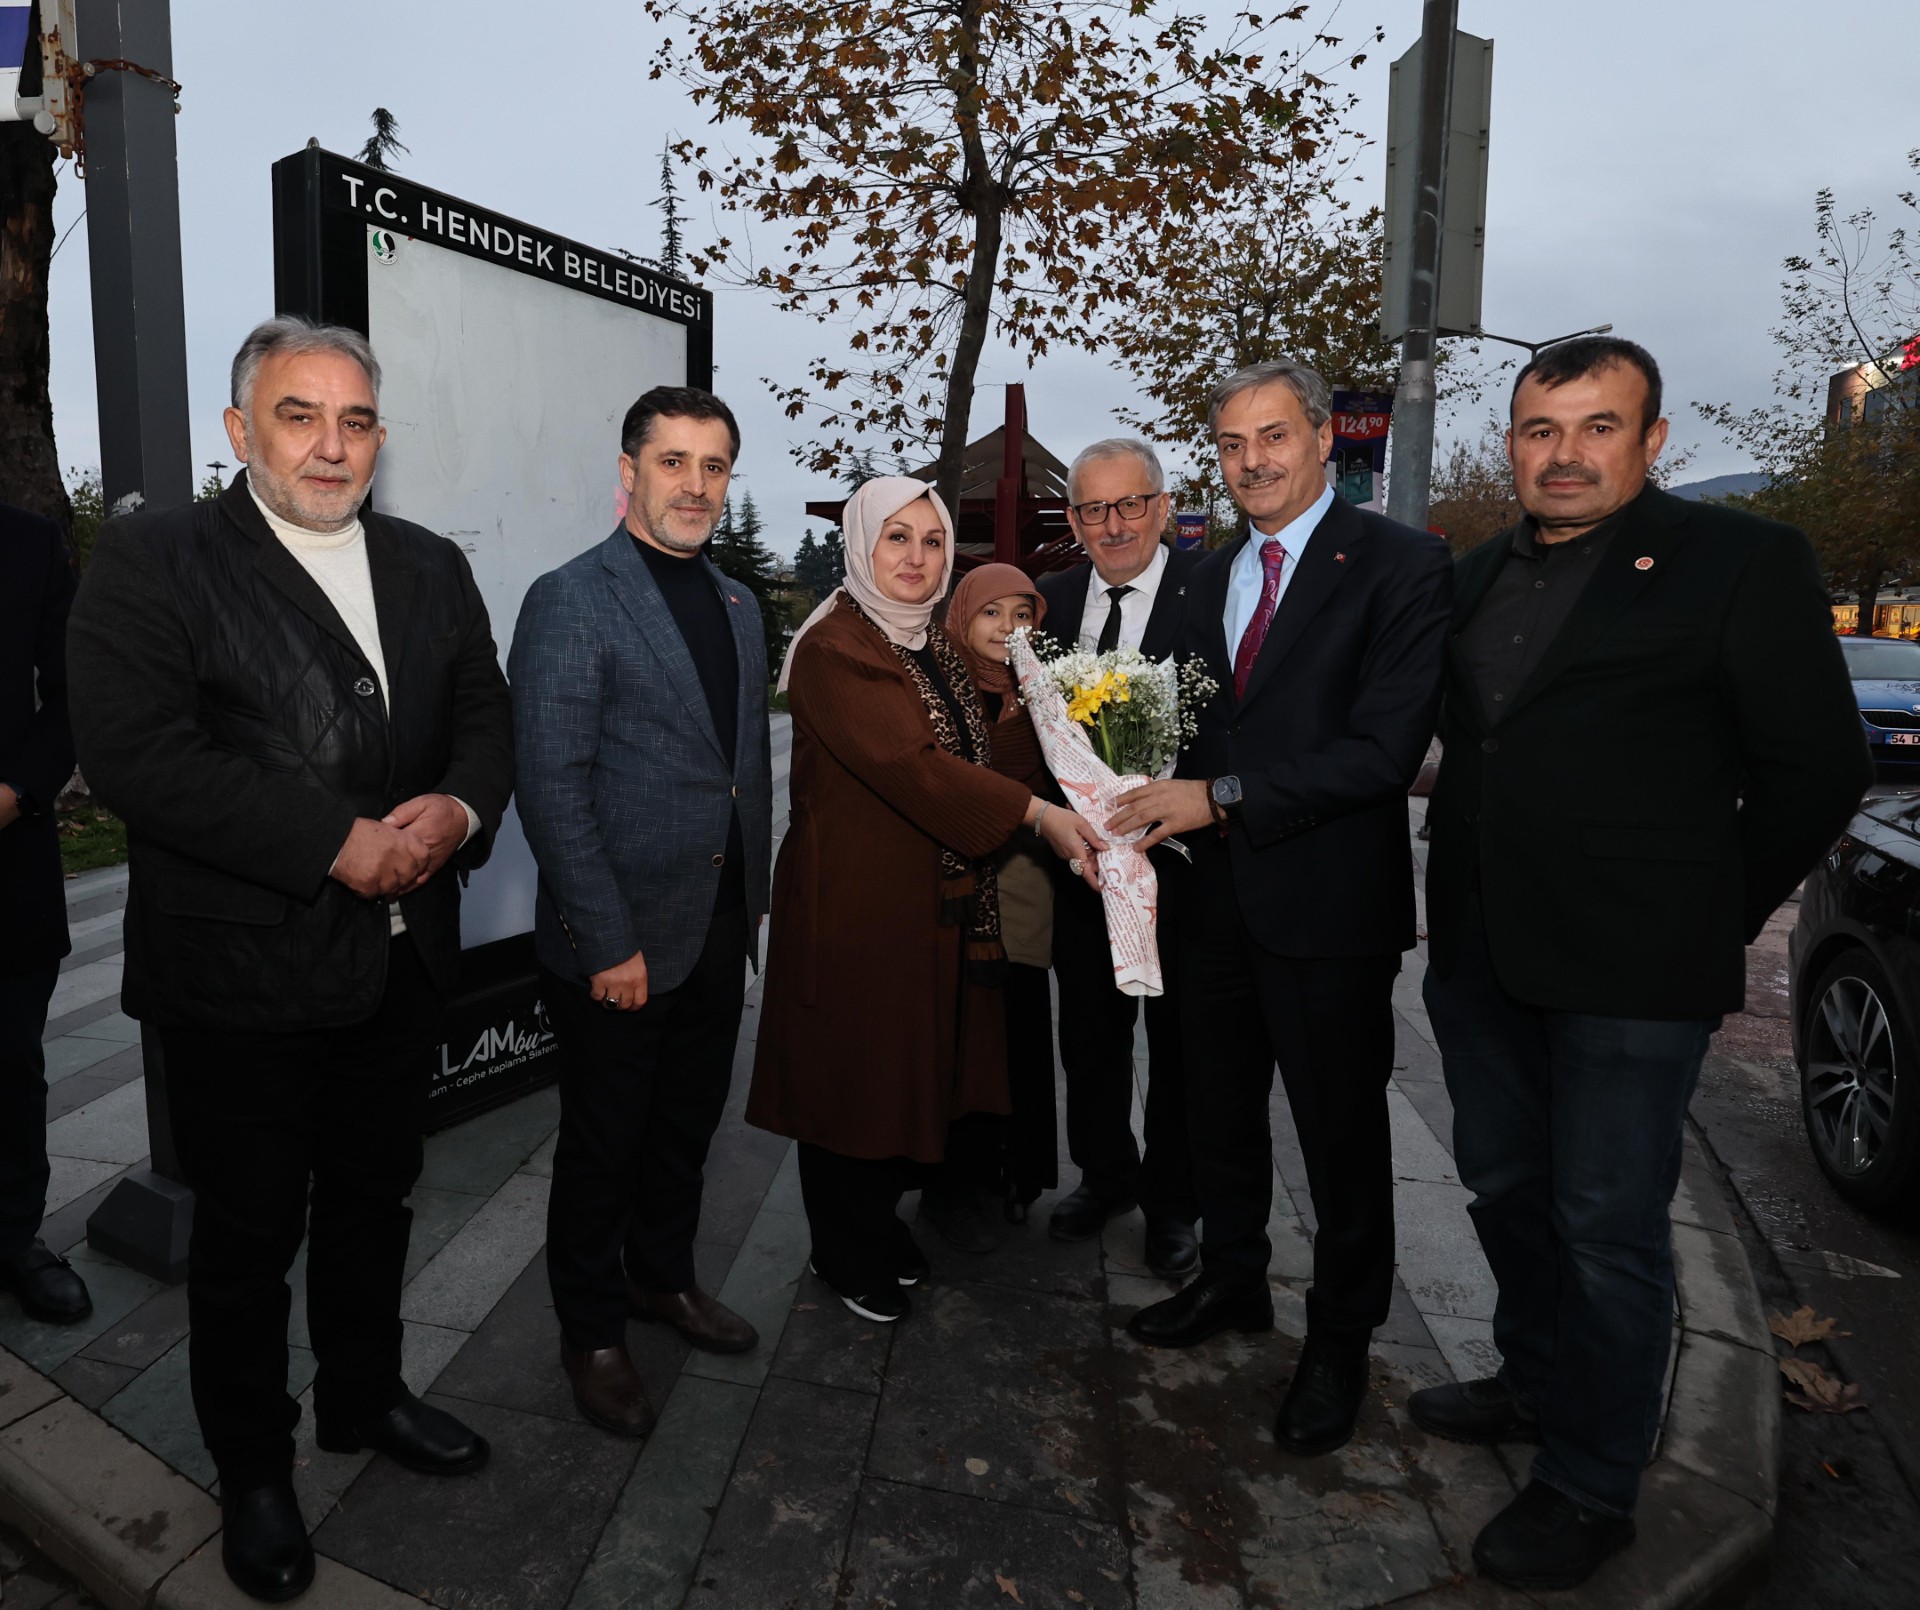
{"x":299,"y":713}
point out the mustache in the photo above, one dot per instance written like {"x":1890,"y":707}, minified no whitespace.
{"x":1259,"y":477}
{"x":1567,"y":472}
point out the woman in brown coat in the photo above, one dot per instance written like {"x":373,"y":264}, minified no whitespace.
{"x":880,"y":1025}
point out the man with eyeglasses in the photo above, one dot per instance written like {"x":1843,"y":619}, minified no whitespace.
{"x":1131,"y":595}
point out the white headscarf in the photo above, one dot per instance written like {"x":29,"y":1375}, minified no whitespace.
{"x":870,"y":508}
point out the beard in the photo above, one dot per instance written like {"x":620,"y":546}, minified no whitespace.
{"x":291,"y":499}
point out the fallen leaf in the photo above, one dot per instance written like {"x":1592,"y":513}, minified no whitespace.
{"x":1007,"y":1584}
{"x":1076,"y":1595}
{"x":1818,"y":1392}
{"x":1800,"y":1327}
{"x":1374,"y":1500}
{"x":977,"y":1467}
{"x":1111,"y":1576}
{"x":806,"y":1308}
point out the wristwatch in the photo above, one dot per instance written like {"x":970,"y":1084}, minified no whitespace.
{"x":1225,"y":795}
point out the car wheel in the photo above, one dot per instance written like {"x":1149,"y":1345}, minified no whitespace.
{"x":1860,"y":1084}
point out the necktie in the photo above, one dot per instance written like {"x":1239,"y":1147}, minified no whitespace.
{"x":1273,"y":559}
{"x":1110,"y":631}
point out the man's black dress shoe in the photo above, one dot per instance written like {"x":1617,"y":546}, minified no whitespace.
{"x":1173,"y":1251}
{"x":1486,"y":1410}
{"x":47,"y":1286}
{"x":1204,"y":1308}
{"x":411,"y":1433}
{"x":1322,"y":1404}
{"x":1080,"y":1214}
{"x":264,"y":1543}
{"x":1543,"y":1539}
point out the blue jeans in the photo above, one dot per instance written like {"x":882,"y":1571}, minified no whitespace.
{"x":1567,"y":1129}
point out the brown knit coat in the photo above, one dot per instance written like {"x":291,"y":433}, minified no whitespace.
{"x":871,"y":1040}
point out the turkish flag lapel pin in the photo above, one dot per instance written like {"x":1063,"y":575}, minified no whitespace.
{"x":1643,"y":563}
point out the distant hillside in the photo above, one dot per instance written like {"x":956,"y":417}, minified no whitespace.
{"x":1719,"y":486}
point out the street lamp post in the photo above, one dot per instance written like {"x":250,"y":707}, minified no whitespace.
{"x":1534,"y":347}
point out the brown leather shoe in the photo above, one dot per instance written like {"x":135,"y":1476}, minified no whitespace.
{"x":696,"y":1315}
{"x":607,"y":1389}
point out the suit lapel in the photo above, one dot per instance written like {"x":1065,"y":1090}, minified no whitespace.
{"x":1335,"y":548}
{"x":284,"y":572}
{"x":1162,"y":634}
{"x":1634,"y":559}
{"x":392,"y":580}
{"x":1063,"y":623}
{"x":1208,"y":601}
{"x":743,"y":615}
{"x":639,"y":595}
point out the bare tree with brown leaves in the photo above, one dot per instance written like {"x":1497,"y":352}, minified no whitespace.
{"x":948,"y":170}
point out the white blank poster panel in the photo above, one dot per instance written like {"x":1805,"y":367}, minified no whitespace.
{"x":502,"y":395}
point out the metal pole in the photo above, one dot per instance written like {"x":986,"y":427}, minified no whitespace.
{"x":133,"y":241}
{"x":1410,"y":471}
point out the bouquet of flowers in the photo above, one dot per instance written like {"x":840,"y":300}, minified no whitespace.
{"x":1108,"y":723}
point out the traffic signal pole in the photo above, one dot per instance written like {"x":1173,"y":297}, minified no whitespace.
{"x":1410,"y":467}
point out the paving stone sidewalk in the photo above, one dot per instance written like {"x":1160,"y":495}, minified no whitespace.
{"x":1009,"y":1443}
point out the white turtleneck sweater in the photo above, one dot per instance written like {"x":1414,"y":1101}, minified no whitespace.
{"x":337,"y":561}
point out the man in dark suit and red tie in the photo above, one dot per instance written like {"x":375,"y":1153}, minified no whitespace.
{"x":1325,"y":627}
{"x":1132,"y":595}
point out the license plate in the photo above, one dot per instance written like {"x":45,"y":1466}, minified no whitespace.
{"x":1903,"y":737}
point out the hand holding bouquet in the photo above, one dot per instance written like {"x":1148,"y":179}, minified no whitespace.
{"x":1108,"y":723}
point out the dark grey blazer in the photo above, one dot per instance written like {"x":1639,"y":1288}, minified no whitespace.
{"x":623,"y":789}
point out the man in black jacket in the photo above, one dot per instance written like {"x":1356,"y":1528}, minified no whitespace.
{"x":1649,"y":739}
{"x":1131,"y":595}
{"x":1325,"y":628}
{"x":299,"y":713}
{"x":36,"y":759}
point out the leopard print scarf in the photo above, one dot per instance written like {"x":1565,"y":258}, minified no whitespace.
{"x":969,"y":890}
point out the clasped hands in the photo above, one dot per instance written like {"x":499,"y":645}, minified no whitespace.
{"x":399,"y":853}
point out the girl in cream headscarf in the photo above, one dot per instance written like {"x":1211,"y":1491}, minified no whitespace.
{"x":880,"y":1024}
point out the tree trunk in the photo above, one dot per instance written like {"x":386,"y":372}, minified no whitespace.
{"x":983,"y":199}
{"x":29,"y":462}
{"x":1868,"y":594}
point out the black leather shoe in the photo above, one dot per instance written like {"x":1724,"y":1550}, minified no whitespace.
{"x":1204,"y":1308}
{"x":1173,"y":1251}
{"x":607,"y":1389}
{"x":697,"y":1315}
{"x":264,"y":1543}
{"x":1080,"y":1214}
{"x":47,"y":1286}
{"x":411,"y":1433}
{"x":1322,"y":1404}
{"x":1543,"y":1539}
{"x":1486,"y":1411}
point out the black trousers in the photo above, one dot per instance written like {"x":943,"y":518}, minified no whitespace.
{"x":852,"y":1209}
{"x":641,"y":1094}
{"x":23,"y":1106}
{"x":1096,"y":1054}
{"x":1016,"y":1155}
{"x":1328,"y":1023}
{"x":282,"y":1135}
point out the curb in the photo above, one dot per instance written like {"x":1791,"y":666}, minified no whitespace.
{"x":132,"y":1529}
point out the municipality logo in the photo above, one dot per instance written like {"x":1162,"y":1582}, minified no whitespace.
{"x":386,"y":245}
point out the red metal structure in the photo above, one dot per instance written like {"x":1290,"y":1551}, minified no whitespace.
{"x":1013,"y":499}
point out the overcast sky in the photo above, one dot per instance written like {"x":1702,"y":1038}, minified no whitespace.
{"x":1651,"y":164}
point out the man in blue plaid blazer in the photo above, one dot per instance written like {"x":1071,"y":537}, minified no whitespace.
{"x":645,"y":784}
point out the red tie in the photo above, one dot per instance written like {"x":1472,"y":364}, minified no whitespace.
{"x":1273,"y":559}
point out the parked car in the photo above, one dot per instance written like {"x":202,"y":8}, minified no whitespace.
{"x":1854,"y":985}
{"x":1886,"y":686}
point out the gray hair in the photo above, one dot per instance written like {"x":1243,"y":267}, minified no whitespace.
{"x":289,"y":333}
{"x":1315,"y":399}
{"x":1118,"y":447}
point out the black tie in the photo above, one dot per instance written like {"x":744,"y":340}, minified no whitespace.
{"x":1110,"y":632}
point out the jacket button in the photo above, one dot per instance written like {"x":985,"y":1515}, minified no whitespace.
{"x":719,"y":860}
{"x":1489,"y":745}
{"x":736,"y":790}
{"x":365,"y":687}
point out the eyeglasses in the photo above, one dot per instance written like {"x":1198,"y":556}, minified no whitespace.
{"x":1130,"y":508}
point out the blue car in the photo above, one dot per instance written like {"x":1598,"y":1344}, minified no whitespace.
{"x":1886,"y":686}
